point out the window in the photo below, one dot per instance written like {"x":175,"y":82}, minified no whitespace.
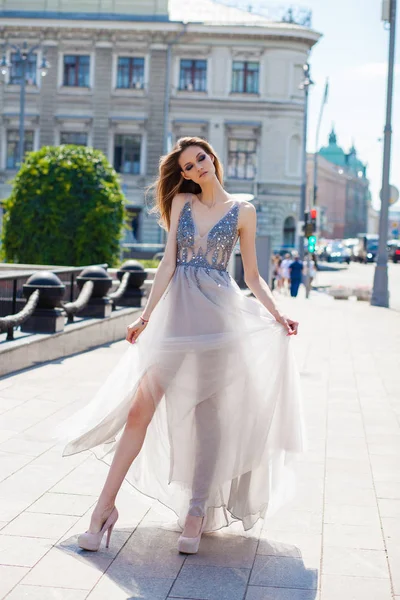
{"x":193,"y":75}
{"x":130,"y":72}
{"x":127,"y":153}
{"x":76,"y":70}
{"x":16,"y":69}
{"x":77,"y":138}
{"x":245,"y":77}
{"x":12,"y":161}
{"x":242,"y":159}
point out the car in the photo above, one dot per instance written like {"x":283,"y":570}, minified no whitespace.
{"x":367,"y":248}
{"x":394,"y":250}
{"x":336,"y":251}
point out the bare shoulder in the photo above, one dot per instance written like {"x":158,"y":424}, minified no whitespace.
{"x":179,"y":200}
{"x":247,"y":213}
{"x":247,"y":208}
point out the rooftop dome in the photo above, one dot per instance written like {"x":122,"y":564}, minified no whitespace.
{"x":353,"y":162}
{"x":333,"y":153}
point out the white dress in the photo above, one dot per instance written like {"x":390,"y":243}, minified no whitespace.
{"x":228,"y":420}
{"x":285,"y":270}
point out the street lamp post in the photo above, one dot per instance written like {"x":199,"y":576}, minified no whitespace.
{"x":23,"y":54}
{"x":305,"y":84}
{"x":315,"y":170}
{"x":380,"y":292}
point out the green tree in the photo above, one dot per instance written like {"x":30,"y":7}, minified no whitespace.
{"x":66,"y":208}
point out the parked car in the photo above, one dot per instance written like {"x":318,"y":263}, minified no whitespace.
{"x":394,"y":250}
{"x":367,"y":248}
{"x":335,"y":251}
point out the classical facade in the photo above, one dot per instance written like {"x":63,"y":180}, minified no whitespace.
{"x":343,"y":196}
{"x":130,"y":78}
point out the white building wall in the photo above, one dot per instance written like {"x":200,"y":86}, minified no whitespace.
{"x":272,"y":117}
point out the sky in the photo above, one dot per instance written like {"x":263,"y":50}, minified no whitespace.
{"x":353,"y":53}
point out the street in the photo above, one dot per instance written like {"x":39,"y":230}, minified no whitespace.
{"x":337,"y":540}
{"x":359,"y":274}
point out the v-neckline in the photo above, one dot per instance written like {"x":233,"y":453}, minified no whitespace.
{"x":215,"y":224}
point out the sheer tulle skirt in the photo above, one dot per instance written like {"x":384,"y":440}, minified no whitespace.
{"x":221,"y":373}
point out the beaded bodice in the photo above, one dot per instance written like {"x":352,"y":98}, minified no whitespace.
{"x":212,"y":250}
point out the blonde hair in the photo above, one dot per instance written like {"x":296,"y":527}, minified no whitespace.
{"x":170,"y":180}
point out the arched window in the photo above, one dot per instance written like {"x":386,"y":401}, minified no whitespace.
{"x":294,"y":155}
{"x":289,"y":232}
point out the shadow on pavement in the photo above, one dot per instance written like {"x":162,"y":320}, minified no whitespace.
{"x":146,"y":564}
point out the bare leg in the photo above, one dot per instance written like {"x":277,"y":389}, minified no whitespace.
{"x":207,"y":446}
{"x":129,"y":446}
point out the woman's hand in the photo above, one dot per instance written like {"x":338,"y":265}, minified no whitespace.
{"x":134,"y":330}
{"x":290,"y":326}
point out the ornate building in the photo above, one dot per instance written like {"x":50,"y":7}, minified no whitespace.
{"x":343,"y":195}
{"x":130,"y":77}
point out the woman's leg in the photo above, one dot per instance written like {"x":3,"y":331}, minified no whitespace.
{"x":208,"y":436}
{"x":146,"y":398}
{"x":207,"y":447}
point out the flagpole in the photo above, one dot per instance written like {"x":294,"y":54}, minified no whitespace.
{"x":315,"y":170}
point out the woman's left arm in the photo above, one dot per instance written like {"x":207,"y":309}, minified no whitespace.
{"x":247,"y":232}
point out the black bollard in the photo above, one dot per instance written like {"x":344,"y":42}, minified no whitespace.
{"x":99,"y":305}
{"x":48,"y":316}
{"x":137,"y":276}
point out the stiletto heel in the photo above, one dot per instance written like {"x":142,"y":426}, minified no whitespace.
{"x":109,"y":532}
{"x":92,"y":541}
{"x":190,"y":545}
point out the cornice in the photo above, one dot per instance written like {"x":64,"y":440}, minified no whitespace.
{"x":166,"y":30}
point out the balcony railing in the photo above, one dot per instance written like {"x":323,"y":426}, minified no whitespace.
{"x":250,"y":12}
{"x":296,"y":14}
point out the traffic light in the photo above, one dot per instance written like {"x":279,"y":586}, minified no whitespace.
{"x":313,"y":215}
{"x":312,"y":240}
{"x":307,"y":225}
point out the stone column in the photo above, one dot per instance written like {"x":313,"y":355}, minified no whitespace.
{"x":155,"y":124}
{"x":102,"y":97}
{"x":151,"y":232}
{"x":48,"y":99}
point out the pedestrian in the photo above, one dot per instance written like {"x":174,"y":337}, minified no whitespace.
{"x":313,"y":271}
{"x":296,"y":275}
{"x":285,"y":272}
{"x":207,"y":391}
{"x":275,"y":264}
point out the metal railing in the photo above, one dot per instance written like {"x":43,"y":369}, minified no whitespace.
{"x":12,"y":299}
{"x":8,"y":323}
{"x":120,"y":291}
{"x":72,"y":308}
{"x":250,"y":12}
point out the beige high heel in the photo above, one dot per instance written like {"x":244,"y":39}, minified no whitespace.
{"x":92,"y":541}
{"x":190,"y":545}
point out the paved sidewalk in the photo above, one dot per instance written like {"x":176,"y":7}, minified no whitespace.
{"x":339,"y":539}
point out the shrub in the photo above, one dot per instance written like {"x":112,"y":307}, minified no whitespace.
{"x":66,"y":208}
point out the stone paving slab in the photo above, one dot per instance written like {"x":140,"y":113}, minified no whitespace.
{"x":338,"y":539}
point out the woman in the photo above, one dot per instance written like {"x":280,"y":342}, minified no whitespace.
{"x":207,"y":391}
{"x":285,"y":271}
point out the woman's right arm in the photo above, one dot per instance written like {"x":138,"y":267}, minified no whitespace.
{"x":164,"y":272}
